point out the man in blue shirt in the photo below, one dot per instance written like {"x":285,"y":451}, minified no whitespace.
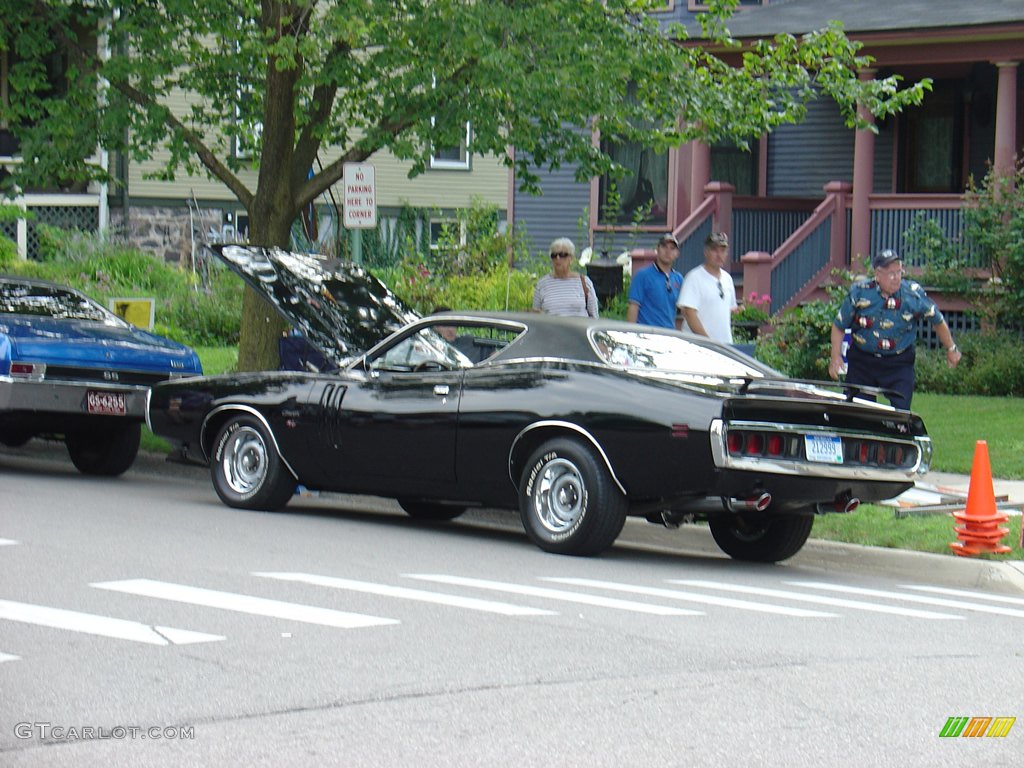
{"x":654,"y":290}
{"x":882,"y":317}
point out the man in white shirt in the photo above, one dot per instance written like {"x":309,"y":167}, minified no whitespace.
{"x":708,"y":298}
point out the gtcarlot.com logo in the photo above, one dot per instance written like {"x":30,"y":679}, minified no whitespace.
{"x":977,"y":726}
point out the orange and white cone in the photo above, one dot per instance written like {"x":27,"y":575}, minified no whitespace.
{"x":979,"y":530}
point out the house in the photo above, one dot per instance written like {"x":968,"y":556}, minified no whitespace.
{"x":817,"y":195}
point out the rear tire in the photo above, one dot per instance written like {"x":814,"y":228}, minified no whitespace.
{"x":568,"y":501}
{"x":425,"y":510}
{"x":105,"y":451}
{"x":761,"y":538}
{"x":247,"y":471}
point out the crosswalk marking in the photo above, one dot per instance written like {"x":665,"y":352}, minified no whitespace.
{"x":472,"y":603}
{"x":675,"y":594}
{"x":967,"y":594}
{"x":820,"y":600}
{"x":105,"y":626}
{"x":554,"y":594}
{"x":920,"y":599}
{"x":8,"y":657}
{"x":230,"y":601}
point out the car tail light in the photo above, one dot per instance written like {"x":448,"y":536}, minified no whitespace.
{"x":28,"y":370}
{"x":735,"y":442}
{"x":776,"y":445}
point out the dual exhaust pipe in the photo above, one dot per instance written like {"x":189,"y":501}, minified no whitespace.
{"x":844,"y":503}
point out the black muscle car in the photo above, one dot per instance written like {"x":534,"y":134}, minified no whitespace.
{"x":576,"y":422}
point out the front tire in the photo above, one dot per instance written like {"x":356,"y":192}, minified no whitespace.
{"x":568,"y":501}
{"x":761,"y":538}
{"x":106,"y":450}
{"x":247,"y":471}
{"x":425,"y":510}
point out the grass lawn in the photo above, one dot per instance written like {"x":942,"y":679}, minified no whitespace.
{"x":955,"y":423}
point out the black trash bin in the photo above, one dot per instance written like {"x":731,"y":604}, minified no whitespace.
{"x":606,"y":275}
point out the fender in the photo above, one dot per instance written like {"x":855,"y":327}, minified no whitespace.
{"x":255,"y":414}
{"x":568,"y":425}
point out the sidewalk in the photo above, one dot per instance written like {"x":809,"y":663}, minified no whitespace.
{"x":939,"y":492}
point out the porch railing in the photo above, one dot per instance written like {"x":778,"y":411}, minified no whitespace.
{"x":796,"y":268}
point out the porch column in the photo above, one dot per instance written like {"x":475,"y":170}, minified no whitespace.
{"x":863,"y":181}
{"x":700,"y":172}
{"x":1006,"y":118}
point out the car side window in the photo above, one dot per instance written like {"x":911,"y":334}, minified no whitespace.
{"x":424,"y":350}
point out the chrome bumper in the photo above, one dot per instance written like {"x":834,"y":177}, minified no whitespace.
{"x":66,"y":397}
{"x":779,"y":466}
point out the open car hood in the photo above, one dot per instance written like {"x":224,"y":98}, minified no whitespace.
{"x":339,"y":307}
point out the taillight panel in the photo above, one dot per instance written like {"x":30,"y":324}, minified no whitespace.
{"x":788,"y":444}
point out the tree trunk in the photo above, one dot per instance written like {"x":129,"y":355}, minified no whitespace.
{"x":262,"y":325}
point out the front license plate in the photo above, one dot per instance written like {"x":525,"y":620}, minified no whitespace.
{"x":106,"y":403}
{"x":826,"y":449}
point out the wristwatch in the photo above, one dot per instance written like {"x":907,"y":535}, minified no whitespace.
{"x":953,"y":348}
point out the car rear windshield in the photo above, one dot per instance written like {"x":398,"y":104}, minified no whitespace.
{"x":639,"y":350}
{"x":48,"y":301}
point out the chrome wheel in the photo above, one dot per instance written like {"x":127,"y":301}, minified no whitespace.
{"x":244,"y":461}
{"x":562,"y":496}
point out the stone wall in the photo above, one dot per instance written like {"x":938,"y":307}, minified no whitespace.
{"x":169,"y":232}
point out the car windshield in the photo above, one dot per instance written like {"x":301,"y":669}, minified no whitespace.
{"x":638,"y":350}
{"x":49,"y":301}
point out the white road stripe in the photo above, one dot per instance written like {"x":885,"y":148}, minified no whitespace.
{"x":257,"y":606}
{"x":8,"y":657}
{"x":967,"y":594}
{"x":7,"y":542}
{"x":105,"y":626}
{"x":833,"y":601}
{"x":920,"y":599}
{"x":554,"y":594}
{"x":674,"y":594}
{"x":490,"y":606}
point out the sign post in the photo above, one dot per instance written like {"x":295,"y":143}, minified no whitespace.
{"x":360,"y":211}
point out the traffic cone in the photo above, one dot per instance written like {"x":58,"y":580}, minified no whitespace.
{"x":979,"y":531}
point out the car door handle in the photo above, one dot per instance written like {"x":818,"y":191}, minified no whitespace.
{"x":441,"y":390}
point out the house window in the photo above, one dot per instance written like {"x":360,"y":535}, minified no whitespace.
{"x":456,"y":157}
{"x":735,"y":166}
{"x":52,"y":67}
{"x":446,"y":234}
{"x":641,"y":195}
{"x":932,"y":141}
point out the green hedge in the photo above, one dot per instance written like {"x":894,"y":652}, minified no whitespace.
{"x":992,"y":364}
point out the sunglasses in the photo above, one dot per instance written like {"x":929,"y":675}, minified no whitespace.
{"x":721,"y":291}
{"x":561,"y":255}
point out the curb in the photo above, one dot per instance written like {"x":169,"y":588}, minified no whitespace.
{"x":1005,"y":576}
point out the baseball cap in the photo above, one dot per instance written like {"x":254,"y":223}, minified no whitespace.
{"x":668,"y":237}
{"x":884,"y":258}
{"x":717,"y":238}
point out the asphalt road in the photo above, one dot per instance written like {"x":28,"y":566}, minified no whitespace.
{"x":144,"y":623}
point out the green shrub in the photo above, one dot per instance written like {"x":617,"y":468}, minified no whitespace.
{"x":102,"y":269}
{"x":800,"y":342}
{"x":991,"y":364}
{"x":499,"y":288}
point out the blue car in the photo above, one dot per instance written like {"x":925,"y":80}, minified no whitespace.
{"x":70,"y":369}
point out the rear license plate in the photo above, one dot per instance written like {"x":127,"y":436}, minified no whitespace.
{"x":106,"y":403}
{"x":825,"y":449}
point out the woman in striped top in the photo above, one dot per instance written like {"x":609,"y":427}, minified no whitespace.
{"x":564,"y":292}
